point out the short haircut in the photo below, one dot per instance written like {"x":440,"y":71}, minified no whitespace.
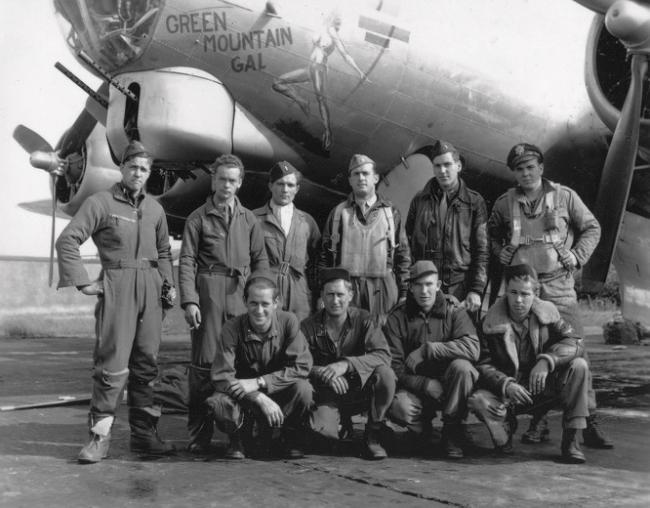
{"x":521,"y":272}
{"x":260,"y":282}
{"x":228,"y":159}
{"x":348,"y":285}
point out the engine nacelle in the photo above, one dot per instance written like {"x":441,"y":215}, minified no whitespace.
{"x":96,"y":172}
{"x":186,"y":114}
{"x":607,"y":76}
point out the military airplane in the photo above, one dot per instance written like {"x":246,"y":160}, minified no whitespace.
{"x":313,"y":82}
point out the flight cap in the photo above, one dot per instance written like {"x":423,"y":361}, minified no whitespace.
{"x":359,"y":160}
{"x":280,"y":170}
{"x":442,"y":147}
{"x":330,"y":274}
{"x":135,"y":149}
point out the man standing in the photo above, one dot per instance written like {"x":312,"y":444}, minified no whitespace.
{"x":447,"y":224}
{"x":433,"y":344}
{"x":129,"y":229}
{"x":547,"y":226}
{"x":291,"y":237}
{"x":260,"y":371}
{"x":351,"y":370}
{"x":222,"y":241}
{"x":531,"y":357}
{"x":364,"y":235}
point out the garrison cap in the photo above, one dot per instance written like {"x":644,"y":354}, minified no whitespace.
{"x":330,"y":274}
{"x":442,"y":147}
{"x":135,"y":149}
{"x":420,"y":268}
{"x":280,"y":170}
{"x":522,"y":152}
{"x":521,"y":270}
{"x":359,"y":160}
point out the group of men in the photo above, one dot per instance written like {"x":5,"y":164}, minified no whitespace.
{"x":393,"y":333}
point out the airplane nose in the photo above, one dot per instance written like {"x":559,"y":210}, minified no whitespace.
{"x":630,"y":22}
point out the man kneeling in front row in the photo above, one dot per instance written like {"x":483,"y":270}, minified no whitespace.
{"x":260,"y":372}
{"x":351,"y":370}
{"x":530,"y":358}
{"x":433,"y":344}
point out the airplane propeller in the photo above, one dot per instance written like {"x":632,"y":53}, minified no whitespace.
{"x":629,"y":21}
{"x":56,"y":162}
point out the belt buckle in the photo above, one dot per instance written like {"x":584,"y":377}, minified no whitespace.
{"x":231,"y":272}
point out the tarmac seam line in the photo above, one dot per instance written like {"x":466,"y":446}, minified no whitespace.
{"x":381,"y":485}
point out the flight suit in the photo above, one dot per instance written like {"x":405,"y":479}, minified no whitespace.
{"x":281,"y":357}
{"x":217,"y":255}
{"x":291,"y":256}
{"x":133,"y":245}
{"x":560,"y":222}
{"x":370,"y":379}
{"x":453,"y":348}
{"x":458,"y":246}
{"x":377,"y":258}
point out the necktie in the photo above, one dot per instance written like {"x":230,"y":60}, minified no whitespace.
{"x":442,"y":212}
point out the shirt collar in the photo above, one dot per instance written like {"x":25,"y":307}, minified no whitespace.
{"x":253,"y":336}
{"x":122,"y":193}
{"x":438,"y":310}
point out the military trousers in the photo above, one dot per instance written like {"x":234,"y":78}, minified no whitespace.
{"x":375,"y":396}
{"x":128,"y":328}
{"x":221,"y":297}
{"x":295,"y":401}
{"x":452,"y":390}
{"x":566,"y":386}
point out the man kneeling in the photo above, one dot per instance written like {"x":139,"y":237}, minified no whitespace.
{"x":433,"y":344}
{"x":351,"y":370}
{"x":260,"y":371}
{"x":530,"y":358}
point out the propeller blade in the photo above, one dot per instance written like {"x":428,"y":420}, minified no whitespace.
{"x":30,"y":140}
{"x":50,"y":278}
{"x":617,"y":173}
{"x":76,"y":136}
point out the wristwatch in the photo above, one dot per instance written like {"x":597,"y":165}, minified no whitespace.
{"x":261,"y":384}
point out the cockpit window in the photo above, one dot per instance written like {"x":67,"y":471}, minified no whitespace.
{"x":111,"y":32}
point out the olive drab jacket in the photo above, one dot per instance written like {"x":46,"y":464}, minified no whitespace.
{"x":362,"y":343}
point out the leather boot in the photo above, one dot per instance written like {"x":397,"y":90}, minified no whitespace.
{"x":537,"y":431}
{"x":235,"y":450}
{"x":571,"y":453}
{"x":594,"y":437}
{"x":374,"y":449}
{"x":97,"y":448}
{"x":452,"y":441}
{"x":293,"y":440}
{"x":144,"y":434}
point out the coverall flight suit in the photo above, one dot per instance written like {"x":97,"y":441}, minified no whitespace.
{"x":291,"y":256}
{"x":217,"y":255}
{"x":133,"y":245}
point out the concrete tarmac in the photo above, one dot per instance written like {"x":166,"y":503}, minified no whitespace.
{"x":38,"y":449}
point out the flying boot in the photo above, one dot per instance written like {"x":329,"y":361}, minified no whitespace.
{"x":99,"y":430}
{"x":144,"y":434}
